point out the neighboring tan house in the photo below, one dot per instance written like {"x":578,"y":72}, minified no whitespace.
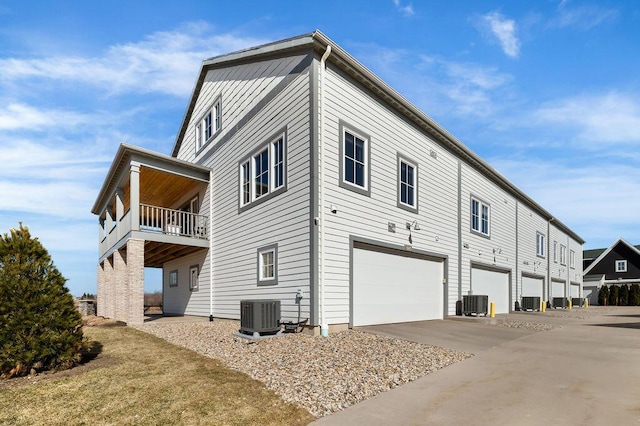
{"x":616,"y":265}
{"x":296,"y":168}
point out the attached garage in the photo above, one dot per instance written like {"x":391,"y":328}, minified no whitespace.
{"x":575,"y":290}
{"x":493,"y":283}
{"x":557,"y":289}
{"x":390,"y":286}
{"x":532,"y":286}
{"x":590,"y":293}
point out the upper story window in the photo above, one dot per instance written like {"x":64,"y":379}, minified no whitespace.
{"x":572,"y":259}
{"x":264,"y":172}
{"x":563,"y":255}
{"x":540,"y":243}
{"x":355,"y":159}
{"x":407,"y":184}
{"x":621,"y":266}
{"x":208,"y":125}
{"x":555,"y":251}
{"x":480,"y":216}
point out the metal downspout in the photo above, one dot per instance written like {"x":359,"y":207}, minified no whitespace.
{"x":324,"y":327}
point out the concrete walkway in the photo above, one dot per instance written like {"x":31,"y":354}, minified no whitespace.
{"x":587,"y":371}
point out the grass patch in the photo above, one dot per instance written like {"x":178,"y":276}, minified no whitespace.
{"x":140,"y":379}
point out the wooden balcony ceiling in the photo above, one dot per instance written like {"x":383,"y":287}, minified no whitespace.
{"x":156,"y":254}
{"x":163,"y":189}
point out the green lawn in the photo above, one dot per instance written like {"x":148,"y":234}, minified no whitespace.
{"x":140,"y":379}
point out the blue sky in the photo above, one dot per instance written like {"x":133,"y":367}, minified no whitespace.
{"x":548,"y":92}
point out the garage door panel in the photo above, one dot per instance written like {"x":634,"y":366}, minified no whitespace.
{"x":532,"y":287}
{"x":390,"y":288}
{"x":494,"y":284}
{"x":557,"y":289}
{"x":575,"y":290}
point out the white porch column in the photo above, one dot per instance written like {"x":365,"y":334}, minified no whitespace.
{"x":134,"y":195}
{"x":119,"y":205}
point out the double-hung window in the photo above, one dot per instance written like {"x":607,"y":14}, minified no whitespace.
{"x":407,"y":184}
{"x":208,"y":125}
{"x":355,"y":159}
{"x":268,"y":265}
{"x":480,"y":216}
{"x":572,"y":259}
{"x":540,"y":243}
{"x":563,"y":255}
{"x":264,"y":172}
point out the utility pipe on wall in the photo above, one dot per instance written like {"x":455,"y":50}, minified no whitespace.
{"x":324,"y":327}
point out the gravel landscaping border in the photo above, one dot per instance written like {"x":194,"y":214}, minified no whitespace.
{"x":321,"y":374}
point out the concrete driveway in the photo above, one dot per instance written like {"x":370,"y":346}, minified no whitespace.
{"x":586,"y":371}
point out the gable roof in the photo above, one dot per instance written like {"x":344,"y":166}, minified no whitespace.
{"x":602,"y":255}
{"x":318,"y":42}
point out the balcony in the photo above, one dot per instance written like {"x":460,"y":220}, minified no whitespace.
{"x":155,"y":198}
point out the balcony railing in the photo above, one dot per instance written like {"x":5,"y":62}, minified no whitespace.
{"x":172,"y":222}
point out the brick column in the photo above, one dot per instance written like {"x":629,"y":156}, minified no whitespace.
{"x":120,"y":285}
{"x":109,"y":282}
{"x":135,"y":266}
{"x":101,"y":288}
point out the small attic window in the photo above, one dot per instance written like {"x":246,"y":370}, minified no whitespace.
{"x":621,"y":266}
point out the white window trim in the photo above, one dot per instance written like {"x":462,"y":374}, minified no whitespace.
{"x":173,"y":278}
{"x":262,"y":251}
{"x":249,"y":163}
{"x":623,"y":263}
{"x":563,"y":255}
{"x":481,"y":205}
{"x":572,"y":259}
{"x":540,"y":244}
{"x":555,"y":251}
{"x":193,"y":283}
{"x":352,"y":186}
{"x":216,"y":124}
{"x":401,"y":159}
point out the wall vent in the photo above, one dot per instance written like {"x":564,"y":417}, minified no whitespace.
{"x":259,"y":316}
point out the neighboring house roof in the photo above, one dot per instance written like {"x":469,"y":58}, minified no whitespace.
{"x":634,"y":249}
{"x":318,"y":42}
{"x":592,"y":253}
{"x":121,"y":162}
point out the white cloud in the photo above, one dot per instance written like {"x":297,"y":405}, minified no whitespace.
{"x":582,"y":17}
{"x":20,"y":116}
{"x":504,"y":30}
{"x":406,"y":10}
{"x":609,"y":118}
{"x":590,"y":198}
{"x":164,"y":62}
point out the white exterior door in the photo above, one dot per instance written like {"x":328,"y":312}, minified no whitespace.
{"x":390,"y":288}
{"x":494,"y":284}
{"x":532,"y":287}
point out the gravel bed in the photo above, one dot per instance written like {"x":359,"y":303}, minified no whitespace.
{"x":526,"y":325}
{"x":321,"y":374}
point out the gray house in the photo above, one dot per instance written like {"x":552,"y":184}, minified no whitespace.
{"x":296,"y":168}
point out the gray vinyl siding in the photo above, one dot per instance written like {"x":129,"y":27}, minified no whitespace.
{"x":181,"y":300}
{"x":499,"y":248}
{"x":364,"y":216}
{"x":281,"y":220}
{"x":529,"y":263}
{"x":240,"y":88}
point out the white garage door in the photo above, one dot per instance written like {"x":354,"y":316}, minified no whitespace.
{"x":557,"y":289}
{"x":493,"y":284}
{"x":532,"y":287}
{"x":590,"y":292}
{"x":390,"y":287}
{"x":575,"y":290}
